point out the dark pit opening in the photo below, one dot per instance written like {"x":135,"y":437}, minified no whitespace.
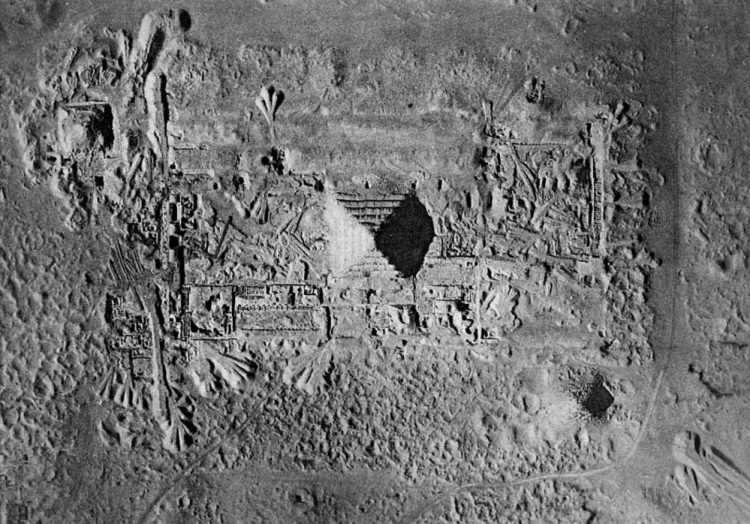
{"x":592,"y":394}
{"x":597,"y":399}
{"x":101,"y":125}
{"x":184,"y":19}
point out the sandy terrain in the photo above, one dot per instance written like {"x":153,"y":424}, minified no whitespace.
{"x":389,"y":261}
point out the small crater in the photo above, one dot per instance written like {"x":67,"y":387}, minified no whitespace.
{"x":598,"y":399}
{"x":592,"y":395}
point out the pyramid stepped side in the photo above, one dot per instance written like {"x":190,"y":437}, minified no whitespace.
{"x":370,"y":211}
{"x":373,"y":264}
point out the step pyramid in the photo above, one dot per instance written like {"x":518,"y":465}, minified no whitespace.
{"x":375,"y":234}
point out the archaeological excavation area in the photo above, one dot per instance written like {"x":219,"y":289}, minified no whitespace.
{"x":342,"y":262}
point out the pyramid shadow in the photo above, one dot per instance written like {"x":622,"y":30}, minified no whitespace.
{"x":405,"y":236}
